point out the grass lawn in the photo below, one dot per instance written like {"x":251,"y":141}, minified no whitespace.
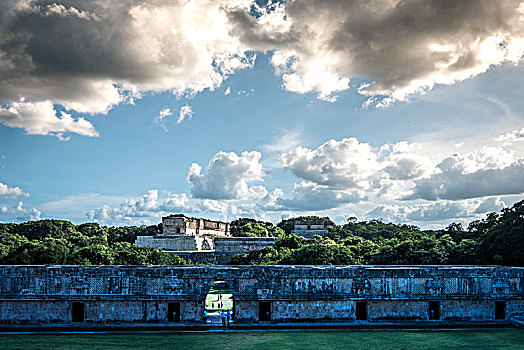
{"x":373,"y":339}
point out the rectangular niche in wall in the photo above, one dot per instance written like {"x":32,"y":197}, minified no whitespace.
{"x":173,"y":312}
{"x":264,"y":311}
{"x":434,"y":310}
{"x":77,"y":312}
{"x":500,"y":310}
{"x":361,"y":312}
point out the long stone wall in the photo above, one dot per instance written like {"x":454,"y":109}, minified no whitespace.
{"x":46,"y":294}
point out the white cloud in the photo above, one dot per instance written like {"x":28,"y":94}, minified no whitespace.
{"x":490,"y":171}
{"x":401,"y":47}
{"x":185,"y":112}
{"x":96,"y":54}
{"x":63,"y":11}
{"x":308,"y":196}
{"x":339,"y":164}
{"x":40,"y":118}
{"x":163,"y":114}
{"x":227,"y":176}
{"x":423,"y":212}
{"x":145,"y":209}
{"x":213,"y":206}
{"x":350,"y":164}
{"x":491,"y":204}
{"x":18,"y":213}
{"x":512,"y":136}
{"x":11,"y":192}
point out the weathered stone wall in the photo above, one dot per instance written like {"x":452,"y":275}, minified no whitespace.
{"x":178,"y":224}
{"x":206,"y":258}
{"x":36,"y":294}
{"x":175,"y":243}
{"x":242,"y":244}
{"x":309,"y":233}
{"x":311,"y":227}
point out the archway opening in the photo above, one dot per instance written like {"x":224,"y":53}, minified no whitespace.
{"x":219,"y":300}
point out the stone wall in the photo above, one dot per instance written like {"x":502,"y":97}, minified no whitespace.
{"x":44,"y":294}
{"x":180,"y":224}
{"x":175,"y":243}
{"x":310,"y":227}
{"x":242,"y":244}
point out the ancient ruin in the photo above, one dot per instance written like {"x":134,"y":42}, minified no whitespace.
{"x":176,"y":294}
{"x":182,"y":233}
{"x":185,"y":234}
{"x":308,"y":228}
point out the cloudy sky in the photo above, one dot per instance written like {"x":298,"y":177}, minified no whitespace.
{"x":120,"y":112}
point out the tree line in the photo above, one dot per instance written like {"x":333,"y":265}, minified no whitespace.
{"x":496,"y":239}
{"x":58,"y":242}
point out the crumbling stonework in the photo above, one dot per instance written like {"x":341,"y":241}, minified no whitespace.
{"x":242,"y":244}
{"x":104,"y":294}
{"x":182,"y":233}
{"x":311,"y":227}
{"x":182,"y":225}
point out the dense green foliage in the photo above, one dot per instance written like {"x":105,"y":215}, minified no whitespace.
{"x":60,"y":242}
{"x":497,"y":239}
{"x":252,"y":228}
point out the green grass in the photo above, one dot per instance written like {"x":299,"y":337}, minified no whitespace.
{"x":373,"y":339}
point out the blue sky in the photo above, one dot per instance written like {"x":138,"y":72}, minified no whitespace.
{"x":257,"y":120}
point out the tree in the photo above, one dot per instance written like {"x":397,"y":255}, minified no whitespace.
{"x":49,"y":251}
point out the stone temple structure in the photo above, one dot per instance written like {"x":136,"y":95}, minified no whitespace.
{"x":181,"y":233}
{"x":104,"y":295}
{"x":310,"y":227}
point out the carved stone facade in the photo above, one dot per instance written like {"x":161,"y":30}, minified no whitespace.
{"x":242,"y":244}
{"x":104,"y":294}
{"x":310,"y":227}
{"x":182,"y":233}
{"x":182,"y":225}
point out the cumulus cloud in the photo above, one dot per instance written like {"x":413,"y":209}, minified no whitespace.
{"x":145,"y":209}
{"x":213,"y":206}
{"x":425,"y":212}
{"x":512,"y":136}
{"x":350,"y":171}
{"x":490,"y":171}
{"x":185,"y":112}
{"x":11,"y":192}
{"x":19,"y":213}
{"x":64,"y":11}
{"x":339,"y":164}
{"x":227,"y":176}
{"x":90,"y":56}
{"x":402,"y":47}
{"x":489,"y":205}
{"x":40,"y":118}
{"x":350,"y":164}
{"x":308,"y":196}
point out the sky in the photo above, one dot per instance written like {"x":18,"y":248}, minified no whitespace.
{"x":120,"y":112}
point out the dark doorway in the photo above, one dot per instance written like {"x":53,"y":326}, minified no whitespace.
{"x":264,"y":311}
{"x":362,"y":310}
{"x":500,"y":310}
{"x":77,"y":312}
{"x":434,"y":310}
{"x":173,"y":312}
